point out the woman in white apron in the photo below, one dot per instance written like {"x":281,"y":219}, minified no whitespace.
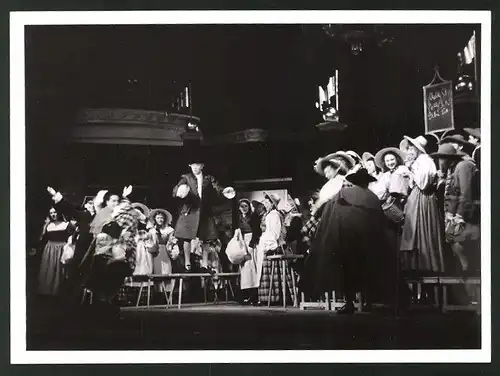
{"x":248,"y":224}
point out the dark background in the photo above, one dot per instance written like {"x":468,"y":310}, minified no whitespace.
{"x":242,"y":76}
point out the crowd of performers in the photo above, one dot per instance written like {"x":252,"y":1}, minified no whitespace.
{"x":401,"y":207}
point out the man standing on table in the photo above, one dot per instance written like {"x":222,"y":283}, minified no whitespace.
{"x":198,"y":194}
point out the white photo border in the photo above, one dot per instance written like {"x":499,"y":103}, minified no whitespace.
{"x":18,"y":21}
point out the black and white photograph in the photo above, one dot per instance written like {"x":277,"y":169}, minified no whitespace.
{"x":186,"y":184}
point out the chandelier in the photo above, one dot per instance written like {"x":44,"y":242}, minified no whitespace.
{"x":358,"y":36}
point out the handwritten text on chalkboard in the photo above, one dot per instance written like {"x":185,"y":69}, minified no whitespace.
{"x":438,"y":107}
{"x":439,"y":103}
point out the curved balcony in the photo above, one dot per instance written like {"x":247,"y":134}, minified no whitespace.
{"x":131,"y":126}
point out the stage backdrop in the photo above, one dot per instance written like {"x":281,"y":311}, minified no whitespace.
{"x":259,"y":196}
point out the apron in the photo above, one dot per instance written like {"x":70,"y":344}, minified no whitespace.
{"x":250,"y":278}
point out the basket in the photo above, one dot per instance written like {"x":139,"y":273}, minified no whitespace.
{"x":393,"y":213}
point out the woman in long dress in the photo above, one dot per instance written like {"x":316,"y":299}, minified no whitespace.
{"x":272,"y":239}
{"x":160,"y":220}
{"x":82,"y":239}
{"x":55,"y":232}
{"x":422,"y":231}
{"x":248,"y":224}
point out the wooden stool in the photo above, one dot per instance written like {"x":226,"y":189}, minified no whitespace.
{"x":226,"y":282}
{"x":283,"y":260}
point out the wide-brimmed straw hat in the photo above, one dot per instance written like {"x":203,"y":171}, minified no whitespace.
{"x":420,"y":143}
{"x":354,"y":155}
{"x":360,"y":177}
{"x":367,"y":156}
{"x":273,"y":198}
{"x":474,"y":132}
{"x":141,"y":207}
{"x":166,"y":214}
{"x":456,"y":139}
{"x":379,"y":157}
{"x":338,"y":159}
{"x":447,"y":151}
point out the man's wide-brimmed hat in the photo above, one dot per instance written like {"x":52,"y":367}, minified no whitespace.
{"x":166,"y":214}
{"x":379,"y":157}
{"x":273,"y":198}
{"x":450,"y":132}
{"x":456,"y":139}
{"x":360,"y":177}
{"x":474,"y":132}
{"x":447,"y":151}
{"x":420,"y":143}
{"x":338,"y":159}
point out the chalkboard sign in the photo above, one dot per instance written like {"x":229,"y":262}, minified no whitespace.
{"x":438,"y":107}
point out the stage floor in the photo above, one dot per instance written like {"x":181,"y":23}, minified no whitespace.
{"x":228,"y":326}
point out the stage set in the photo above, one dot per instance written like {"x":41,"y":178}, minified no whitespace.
{"x":356,"y":90}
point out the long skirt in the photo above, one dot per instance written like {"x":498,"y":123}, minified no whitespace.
{"x":163,"y":265}
{"x":422,"y":233}
{"x":248,"y":270}
{"x":143,"y":263}
{"x":266,"y":284}
{"x":51,"y":276}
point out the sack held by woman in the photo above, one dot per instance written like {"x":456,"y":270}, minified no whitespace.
{"x":236,"y":249}
{"x":68,"y":251}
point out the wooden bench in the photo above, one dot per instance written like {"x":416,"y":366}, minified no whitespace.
{"x":330,"y":302}
{"x":445,"y":282}
{"x":148,"y":280}
{"x":441,"y":284}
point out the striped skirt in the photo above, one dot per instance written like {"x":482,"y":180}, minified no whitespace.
{"x":266,"y":284}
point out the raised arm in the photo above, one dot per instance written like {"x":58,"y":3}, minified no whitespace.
{"x":63,"y":206}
